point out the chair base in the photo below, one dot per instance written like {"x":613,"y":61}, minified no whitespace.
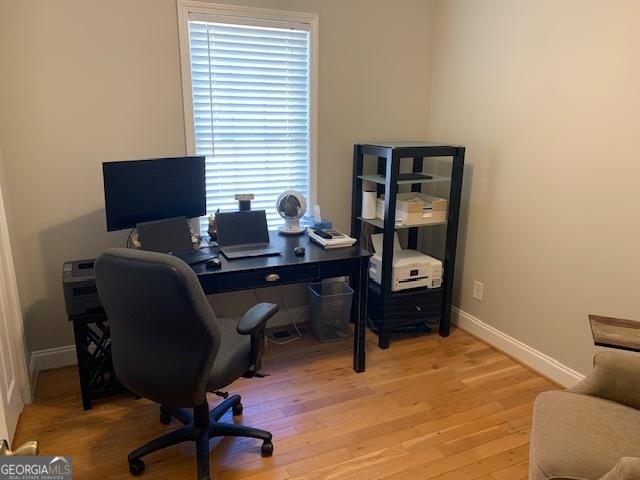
{"x":199,"y":427}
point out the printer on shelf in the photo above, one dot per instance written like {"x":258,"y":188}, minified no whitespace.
{"x":411,"y":269}
{"x":79,"y":287}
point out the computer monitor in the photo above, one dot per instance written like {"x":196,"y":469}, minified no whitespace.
{"x":144,"y":190}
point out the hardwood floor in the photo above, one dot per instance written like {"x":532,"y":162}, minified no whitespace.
{"x":429,"y":407}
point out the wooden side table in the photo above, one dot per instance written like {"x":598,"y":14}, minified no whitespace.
{"x":615,"y":333}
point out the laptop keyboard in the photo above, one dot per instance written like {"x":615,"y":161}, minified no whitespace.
{"x":254,"y":252}
{"x":239,"y":252}
{"x":194,"y":256}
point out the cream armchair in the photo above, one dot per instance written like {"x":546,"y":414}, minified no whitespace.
{"x":592,"y":430}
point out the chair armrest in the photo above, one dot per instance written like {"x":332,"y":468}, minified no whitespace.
{"x":627,"y":468}
{"x":615,"y":376}
{"x":253,"y":323}
{"x":256,"y":317}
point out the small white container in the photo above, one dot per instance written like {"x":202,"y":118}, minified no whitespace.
{"x":369,"y":204}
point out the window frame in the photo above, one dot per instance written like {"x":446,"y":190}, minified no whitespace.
{"x":261,"y":17}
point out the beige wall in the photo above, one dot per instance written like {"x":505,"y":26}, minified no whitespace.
{"x":85,"y":81}
{"x":545,"y":96}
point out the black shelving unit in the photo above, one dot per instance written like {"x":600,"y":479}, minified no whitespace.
{"x":93,"y":351}
{"x":390,"y":311}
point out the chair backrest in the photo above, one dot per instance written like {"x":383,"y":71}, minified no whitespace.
{"x":164,"y":335}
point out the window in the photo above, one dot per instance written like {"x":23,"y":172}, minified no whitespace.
{"x":248,"y":104}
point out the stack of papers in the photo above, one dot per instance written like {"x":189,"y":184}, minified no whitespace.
{"x":337,"y":240}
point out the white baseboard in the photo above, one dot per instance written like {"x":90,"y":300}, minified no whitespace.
{"x":50,"y":358}
{"x":534,"y":359}
{"x":522,"y":352}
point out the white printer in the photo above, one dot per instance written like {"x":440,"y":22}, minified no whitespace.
{"x":411,"y":269}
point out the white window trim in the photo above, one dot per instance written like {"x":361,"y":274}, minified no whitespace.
{"x":282,"y":17}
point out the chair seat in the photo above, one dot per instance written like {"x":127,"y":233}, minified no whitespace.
{"x":233,"y":359}
{"x":576,"y":436}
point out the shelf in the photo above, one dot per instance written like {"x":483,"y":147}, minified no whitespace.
{"x":375,"y":288}
{"x":415,"y":144}
{"x":389,"y":310}
{"x":381,"y":179}
{"x":376,"y":222}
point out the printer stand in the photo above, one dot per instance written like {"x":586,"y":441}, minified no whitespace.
{"x":93,"y":349}
{"x":389,"y":310}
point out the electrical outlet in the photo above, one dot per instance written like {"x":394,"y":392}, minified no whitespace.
{"x":477,"y":290}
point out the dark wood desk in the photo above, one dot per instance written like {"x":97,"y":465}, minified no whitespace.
{"x":286,"y":268}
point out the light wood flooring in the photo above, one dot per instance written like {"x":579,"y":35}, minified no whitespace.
{"x":429,"y":407}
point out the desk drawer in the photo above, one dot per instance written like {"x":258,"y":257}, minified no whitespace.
{"x":266,"y":278}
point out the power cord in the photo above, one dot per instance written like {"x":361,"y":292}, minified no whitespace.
{"x":128,"y":244}
{"x":291,"y":317}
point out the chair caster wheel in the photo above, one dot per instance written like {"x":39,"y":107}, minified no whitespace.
{"x":237,"y":409}
{"x":165,"y":418}
{"x":267,"y":449}
{"x":136,"y":467}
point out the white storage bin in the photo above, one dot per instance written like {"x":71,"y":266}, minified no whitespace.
{"x":413,"y":208}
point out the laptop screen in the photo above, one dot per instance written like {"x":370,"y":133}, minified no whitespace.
{"x":165,"y":236}
{"x":242,"y":228}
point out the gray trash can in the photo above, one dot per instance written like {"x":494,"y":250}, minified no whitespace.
{"x":330,"y":309}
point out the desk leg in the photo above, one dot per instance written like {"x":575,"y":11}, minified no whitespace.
{"x":359,"y":312}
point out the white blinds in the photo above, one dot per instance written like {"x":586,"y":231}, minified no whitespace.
{"x":250,"y":88}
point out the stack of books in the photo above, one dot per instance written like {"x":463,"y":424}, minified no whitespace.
{"x":336,"y":239}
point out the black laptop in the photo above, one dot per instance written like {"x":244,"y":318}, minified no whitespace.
{"x":244,"y":234}
{"x":172,"y":236}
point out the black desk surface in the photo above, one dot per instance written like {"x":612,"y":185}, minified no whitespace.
{"x":285,"y":243}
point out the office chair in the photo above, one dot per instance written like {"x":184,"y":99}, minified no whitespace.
{"x":168,"y":346}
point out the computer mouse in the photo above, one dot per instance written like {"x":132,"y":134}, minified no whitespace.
{"x":299,"y":251}
{"x":214,"y":264}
